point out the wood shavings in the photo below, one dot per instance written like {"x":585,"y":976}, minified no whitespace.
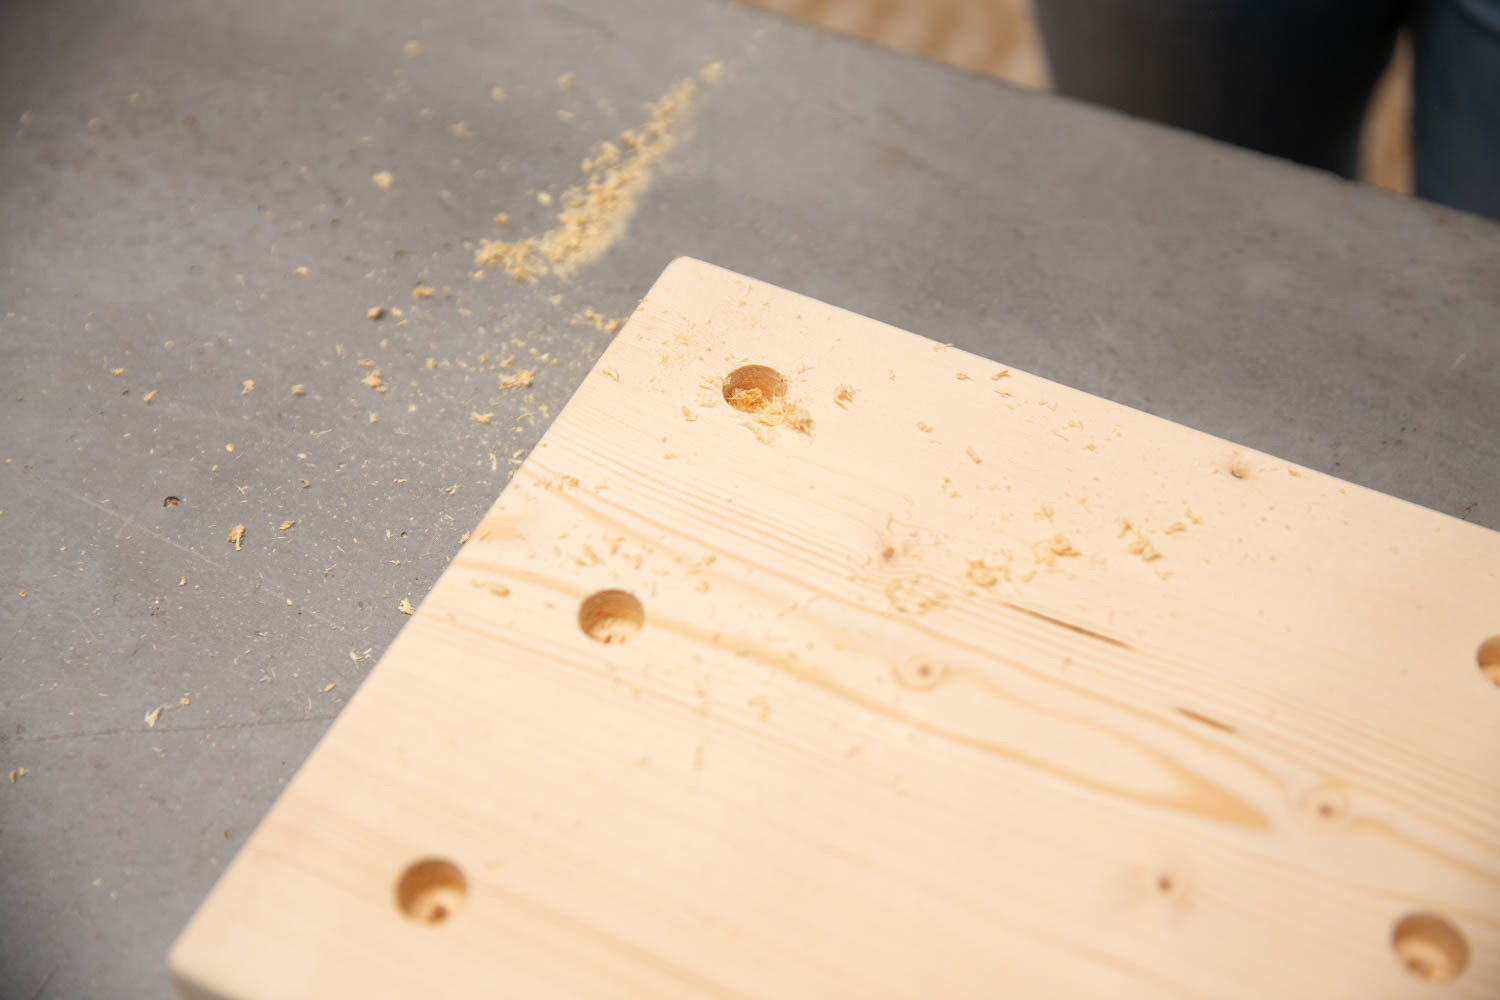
{"x":461,"y":130}
{"x":1139,"y":544}
{"x":687,"y":415}
{"x":712,"y":74}
{"x":1175,"y":528}
{"x":999,"y":375}
{"x":301,"y":272}
{"x":610,"y":374}
{"x":405,"y":607}
{"x":171,"y":501}
{"x":962,"y":377}
{"x":843,"y":396}
{"x":519,"y":380}
{"x":422,"y":292}
{"x":924,"y":427}
{"x":299,"y":389}
{"x":565,"y":82}
{"x":287,"y":525}
{"x":236,"y":537}
{"x":481,"y":418}
{"x":450,"y":490}
{"x":117,"y":372}
{"x":783,"y":413}
{"x":154,"y":716}
{"x":974,"y":456}
{"x":982,"y":574}
{"x":596,"y":211}
{"x":329,"y":686}
{"x":497,"y":94}
{"x":795,"y":417}
{"x":496,"y":589}
{"x":375,"y":312}
{"x":412,"y":49}
{"x":374,"y":417}
{"x":565,"y":117}
{"x":229,"y":448}
{"x":384,"y":180}
{"x":1059,"y":545}
{"x":544,"y":199}
{"x":598,"y":321}
{"x":247,"y":387}
{"x":16,"y":774}
{"x":502,"y":218}
{"x":749,"y":400}
{"x":148,"y":397}
{"x":375,"y":380}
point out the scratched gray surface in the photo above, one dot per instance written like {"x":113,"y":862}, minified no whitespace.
{"x":1338,"y":327}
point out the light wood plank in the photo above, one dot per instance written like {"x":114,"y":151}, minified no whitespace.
{"x":975,"y":685}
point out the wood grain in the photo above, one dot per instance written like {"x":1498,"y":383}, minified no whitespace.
{"x":974,"y":685}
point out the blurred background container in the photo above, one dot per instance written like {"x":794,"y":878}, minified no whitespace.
{"x":999,"y":37}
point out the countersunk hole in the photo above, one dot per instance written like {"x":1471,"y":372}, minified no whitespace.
{"x":431,"y":890}
{"x":611,"y":616}
{"x":1431,"y":947}
{"x":752,"y":388}
{"x":1489,"y":659}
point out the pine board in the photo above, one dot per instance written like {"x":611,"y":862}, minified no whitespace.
{"x":973,"y":685}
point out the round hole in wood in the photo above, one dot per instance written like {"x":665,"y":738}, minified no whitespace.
{"x":1431,"y":947}
{"x":611,"y":616}
{"x":431,"y":890}
{"x":1489,"y":659}
{"x":752,"y":388}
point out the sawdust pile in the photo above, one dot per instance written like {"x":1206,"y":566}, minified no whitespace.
{"x":595,"y":213}
{"x":771,"y":414}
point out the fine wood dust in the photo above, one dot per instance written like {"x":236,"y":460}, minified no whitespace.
{"x":596,"y":212}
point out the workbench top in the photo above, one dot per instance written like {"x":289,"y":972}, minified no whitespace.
{"x":171,"y":373}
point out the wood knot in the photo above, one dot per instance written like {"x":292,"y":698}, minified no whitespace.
{"x":1325,"y":808}
{"x":919,"y":674}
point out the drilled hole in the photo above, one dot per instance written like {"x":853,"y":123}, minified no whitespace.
{"x":1432,"y":948}
{"x":431,"y":891}
{"x":611,"y":616}
{"x":752,"y":388}
{"x":1489,"y":659}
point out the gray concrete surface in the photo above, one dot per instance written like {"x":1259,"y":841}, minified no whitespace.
{"x":160,"y":233}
